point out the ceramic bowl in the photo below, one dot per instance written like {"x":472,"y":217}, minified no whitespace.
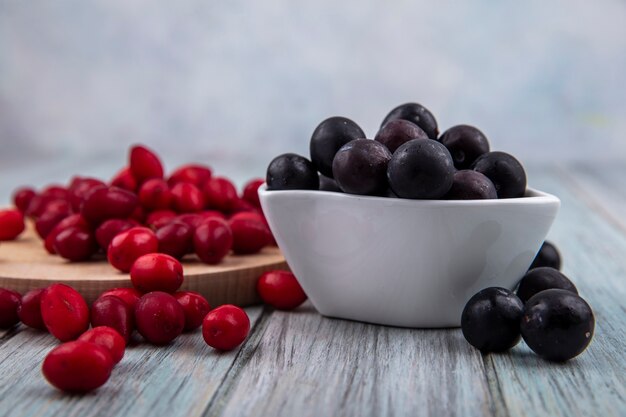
{"x":408,"y":263}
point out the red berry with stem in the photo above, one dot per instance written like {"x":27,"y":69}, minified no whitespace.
{"x":251,"y":192}
{"x":194,"y":174}
{"x":129,"y":295}
{"x":155,"y":194}
{"x":9,"y":305}
{"x":281,"y":290}
{"x":225,"y":327}
{"x":64,"y":311}
{"x":175,"y":239}
{"x":126,"y":247}
{"x":11,"y":224}
{"x":75,"y":244}
{"x":108,"y":338}
{"x":29,"y":310}
{"x":195,"y":307}
{"x":112,"y":311}
{"x":159,"y":317}
{"x":124,"y":179}
{"x":144,"y":164}
{"x":212,"y":241}
{"x":187,"y":198}
{"x":22,"y":198}
{"x":220,"y":194}
{"x":111,"y":228}
{"x":156,"y":272}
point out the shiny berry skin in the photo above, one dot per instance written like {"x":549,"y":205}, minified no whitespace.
{"x":471,"y":185}
{"x":29,"y":310}
{"x":144,"y":164}
{"x":74,"y":220}
{"x":225,"y":327}
{"x":220,"y":194}
{"x":39,"y":205}
{"x":250,"y":233}
{"x":280,"y":289}
{"x":465,"y":143}
{"x":78,"y":366}
{"x":155,"y":194}
{"x":330,"y":135}
{"x":197,"y":175}
{"x":506,"y":173}
{"x":125,"y":180}
{"x":212,"y":241}
{"x":126,"y":247}
{"x":543,"y":278}
{"x":187,"y":198}
{"x":160,"y":218}
{"x":175,"y":239}
{"x":104,"y":203}
{"x":360,"y":167}
{"x":156,"y":272}
{"x":548,"y":255}
{"x":195,"y":307}
{"x":129,"y":295}
{"x":79,"y":189}
{"x":396,"y":133}
{"x":292,"y":172}
{"x":417,"y":114}
{"x":490,"y":320}
{"x":22,"y":198}
{"x":9,"y":305}
{"x":111,"y":228}
{"x":159,"y":317}
{"x":192,"y":220}
{"x":48,"y":220}
{"x":108,"y":338}
{"x":11,"y":224}
{"x":64,"y":312}
{"x":114,"y":312}
{"x":329,"y":184}
{"x":557,"y":324}
{"x":421,"y":169}
{"x":251,"y":192}
{"x":75,"y":244}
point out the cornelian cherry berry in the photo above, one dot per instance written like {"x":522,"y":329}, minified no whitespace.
{"x":160,"y":218}
{"x":155,"y":194}
{"x":194,"y":174}
{"x":79,"y":188}
{"x":156,"y":272}
{"x":126,"y":247}
{"x":9,"y":305}
{"x":22,"y":198}
{"x":108,"y":338}
{"x":57,"y":192}
{"x":211,"y":214}
{"x":74,"y":220}
{"x":192,"y":220}
{"x":48,"y":220}
{"x":225,"y":327}
{"x":212,"y":241}
{"x":187,"y":198}
{"x":251,"y":192}
{"x":281,"y":290}
{"x":75,"y":244}
{"x":250,"y":234}
{"x":220,"y":194}
{"x":29,"y":310}
{"x":124,"y":179}
{"x":175,"y":239}
{"x":11,"y":224}
{"x":144,"y":164}
{"x":130,"y":296}
{"x":64,"y":312}
{"x":111,"y":228}
{"x":195,"y":307}
{"x":39,"y":205}
{"x":78,"y":366}
{"x":159,"y":317}
{"x":112,"y":311}
{"x":103,"y":203}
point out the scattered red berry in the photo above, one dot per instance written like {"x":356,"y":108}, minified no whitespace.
{"x":144,"y":164}
{"x":125,"y":180}
{"x":220,"y":194}
{"x":212,"y":241}
{"x":103,"y":203}
{"x":126,"y":247}
{"x":251,"y":192}
{"x":75,"y":244}
{"x":9,"y":305}
{"x":187,"y":198}
{"x":250,"y":234}
{"x":175,"y":239}
{"x":74,"y":220}
{"x":108,"y":338}
{"x":129,"y":295}
{"x":22,"y":198}
{"x":195,"y":307}
{"x":194,"y":174}
{"x":48,"y":220}
{"x":281,"y":290}
{"x":155,"y":194}
{"x":64,"y":312}
{"x":156,"y":272}
{"x":112,"y":311}
{"x":11,"y":224}
{"x":225,"y":327}
{"x":29,"y":310}
{"x":159,"y":317}
{"x":111,"y":228}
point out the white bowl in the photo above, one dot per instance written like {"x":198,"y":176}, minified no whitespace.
{"x":408,"y":263}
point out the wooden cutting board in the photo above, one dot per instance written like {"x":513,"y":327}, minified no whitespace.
{"x":25,"y":264}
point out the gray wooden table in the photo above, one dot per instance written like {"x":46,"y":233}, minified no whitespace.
{"x":301,"y":364}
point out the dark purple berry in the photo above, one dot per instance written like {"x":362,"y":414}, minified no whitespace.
{"x":417,"y":114}
{"x":328,"y":137}
{"x":506,"y":173}
{"x":291,"y":172}
{"x":465,"y":143}
{"x":360,"y":167}
{"x":471,"y":185}
{"x":548,"y":255}
{"x":543,"y":278}
{"x":397,"y":132}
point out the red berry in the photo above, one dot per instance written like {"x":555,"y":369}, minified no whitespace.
{"x":144,"y":164}
{"x":103,"y":203}
{"x":225,"y":327}
{"x":251,"y":192}
{"x":160,"y":218}
{"x":48,"y":221}
{"x":22,"y":198}
{"x":111,"y":228}
{"x":212,"y":241}
{"x":125,"y":180}
{"x":57,"y":192}
{"x":250,"y":234}
{"x":193,"y":220}
{"x":156,"y":272}
{"x":126,"y":247}
{"x":195,"y":307}
{"x":159,"y":317}
{"x":75,"y":244}
{"x":281,"y":290}
{"x":39,"y":205}
{"x":194,"y":174}
{"x":11,"y":224}
{"x":155,"y":194}
{"x":187,"y":198}
{"x":241,"y":206}
{"x":77,"y":366}
{"x":112,"y":311}
{"x":9,"y":305}
{"x":79,"y":189}
{"x":175,"y":239}
{"x":108,"y":338}
{"x":64,"y":312}
{"x":30,"y":309}
{"x":75,"y":220}
{"x":211,"y":214}
{"x":138,"y":215}
{"x":130,"y":296}
{"x":220,"y":194}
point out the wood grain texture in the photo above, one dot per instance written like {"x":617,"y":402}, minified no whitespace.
{"x":176,"y":380}
{"x":24,"y":265}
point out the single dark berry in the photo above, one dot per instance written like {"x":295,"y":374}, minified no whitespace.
{"x":360,"y":167}
{"x":557,"y":324}
{"x":328,"y":137}
{"x":490,"y":320}
{"x":543,"y":278}
{"x":398,"y":132}
{"x":417,"y":114}
{"x":471,"y":185}
{"x":465,"y":143}
{"x":292,"y":172}
{"x":548,"y":255}
{"x":328,"y":184}
{"x":421,"y":169}
{"x":506,"y":173}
